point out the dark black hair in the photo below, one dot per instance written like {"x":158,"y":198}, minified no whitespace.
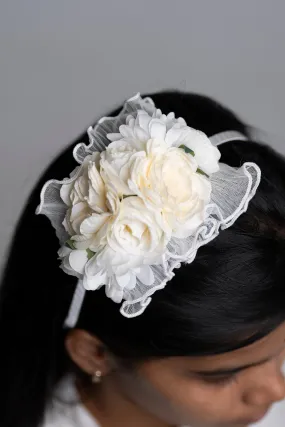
{"x":233,"y":293}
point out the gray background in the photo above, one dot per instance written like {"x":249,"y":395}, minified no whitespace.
{"x":65,"y":63}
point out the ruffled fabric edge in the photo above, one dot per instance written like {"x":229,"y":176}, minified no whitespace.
{"x":216,"y":220}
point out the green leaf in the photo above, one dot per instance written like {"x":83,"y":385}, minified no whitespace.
{"x":202,"y":172}
{"x":70,"y":244}
{"x":90,"y":253}
{"x":187,"y":150}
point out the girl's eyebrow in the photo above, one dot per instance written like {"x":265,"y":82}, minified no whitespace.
{"x":230,"y":371}
{"x":237,"y":369}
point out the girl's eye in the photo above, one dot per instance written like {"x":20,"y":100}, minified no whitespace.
{"x":225,"y":379}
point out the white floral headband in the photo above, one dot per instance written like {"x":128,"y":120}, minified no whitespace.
{"x":148,"y":192}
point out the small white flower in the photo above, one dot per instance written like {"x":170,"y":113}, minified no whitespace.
{"x":93,"y":229}
{"x":100,"y":272}
{"x":88,"y":187}
{"x":206,"y":154}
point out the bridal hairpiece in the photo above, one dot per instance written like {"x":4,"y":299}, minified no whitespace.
{"x":148,"y":192}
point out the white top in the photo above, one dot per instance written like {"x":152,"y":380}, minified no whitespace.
{"x":75,"y":415}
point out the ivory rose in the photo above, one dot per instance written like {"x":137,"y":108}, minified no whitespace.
{"x":84,"y":195}
{"x":135,"y":240}
{"x":168,"y":182}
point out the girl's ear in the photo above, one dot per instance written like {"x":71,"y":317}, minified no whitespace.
{"x":87,"y":352}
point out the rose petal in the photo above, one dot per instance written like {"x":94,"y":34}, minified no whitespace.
{"x":79,"y":191}
{"x":126,"y":131}
{"x":141,"y":134}
{"x":67,"y":270}
{"x":187,"y":229}
{"x":143,"y":119}
{"x":206,"y":155}
{"x":145,"y":275}
{"x":170,"y":116}
{"x":114,"y":293}
{"x":64,"y":251}
{"x":157,"y":129}
{"x":65,"y":266}
{"x":95,"y":178}
{"x":137,"y":228}
{"x":132,"y":282}
{"x":100,"y":238}
{"x":110,"y":175}
{"x":67,"y":224}
{"x":78,"y":213}
{"x":78,"y":260}
{"x":92,"y":283}
{"x":114,"y":136}
{"x":77,"y":210}
{"x":130,"y":120}
{"x":174,"y":135}
{"x":123,"y":280}
{"x":181,"y":121}
{"x":65,"y":191}
{"x":93,"y":223}
{"x":202,"y":186}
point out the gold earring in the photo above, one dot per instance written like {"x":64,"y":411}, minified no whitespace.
{"x":97,"y":377}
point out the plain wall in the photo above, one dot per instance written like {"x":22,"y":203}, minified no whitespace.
{"x":66,"y":62}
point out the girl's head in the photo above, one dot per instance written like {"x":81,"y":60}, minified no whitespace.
{"x":208,"y":349}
